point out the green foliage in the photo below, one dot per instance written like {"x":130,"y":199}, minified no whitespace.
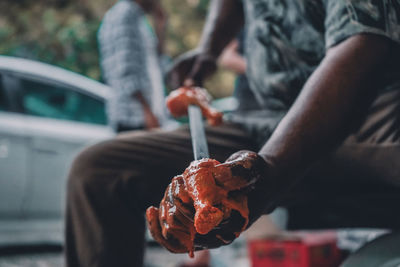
{"x":63,"y":33}
{"x":65,"y":37}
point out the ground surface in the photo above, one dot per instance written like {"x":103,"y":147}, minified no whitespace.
{"x":235,"y":256}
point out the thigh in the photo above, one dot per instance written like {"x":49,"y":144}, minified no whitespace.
{"x":145,"y":161}
{"x":369,"y":155}
{"x":372,"y":152}
{"x":358,"y":184}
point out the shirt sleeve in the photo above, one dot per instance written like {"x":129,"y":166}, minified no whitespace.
{"x":122,"y":52}
{"x":345,"y":18}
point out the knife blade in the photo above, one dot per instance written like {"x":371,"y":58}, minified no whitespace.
{"x":197,"y":133}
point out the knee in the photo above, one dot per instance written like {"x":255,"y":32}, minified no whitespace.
{"x":83,"y":170}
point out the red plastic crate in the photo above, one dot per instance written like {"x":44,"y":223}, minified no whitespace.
{"x":298,"y":249}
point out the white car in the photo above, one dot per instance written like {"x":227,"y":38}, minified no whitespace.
{"x":47,"y":115}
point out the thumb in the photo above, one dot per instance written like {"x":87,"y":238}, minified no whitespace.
{"x":189,"y":83}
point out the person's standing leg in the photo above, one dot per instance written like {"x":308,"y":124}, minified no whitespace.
{"x":112,"y":183}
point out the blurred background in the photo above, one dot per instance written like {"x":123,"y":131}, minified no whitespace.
{"x":48,"y":112}
{"x":63,"y":33}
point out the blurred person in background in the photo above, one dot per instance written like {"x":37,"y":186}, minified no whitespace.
{"x":233,"y":59}
{"x":325,"y":76}
{"x":131,"y":61}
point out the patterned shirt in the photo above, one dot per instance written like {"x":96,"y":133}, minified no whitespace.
{"x":287,"y":39}
{"x":130,"y":63}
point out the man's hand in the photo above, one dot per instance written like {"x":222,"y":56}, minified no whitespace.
{"x":225,"y":19}
{"x":150,"y":120}
{"x":191,"y":69}
{"x":207,"y":206}
{"x":180,"y":99}
{"x":232,"y":60}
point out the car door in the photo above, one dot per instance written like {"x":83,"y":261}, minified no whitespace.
{"x":14,"y":148}
{"x":61,"y":121}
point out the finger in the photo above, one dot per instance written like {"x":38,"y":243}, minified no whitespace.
{"x":202,"y":69}
{"x":179,"y":196}
{"x":172,"y":244}
{"x":189,"y":83}
{"x":196,"y":76}
{"x":223,"y":176}
{"x":177,"y":74}
{"x":178,"y":191}
{"x":230,"y":228}
{"x":227,"y":231}
{"x":173,"y":78}
{"x":213,"y":239}
{"x":207,"y":218}
{"x":170,"y":216}
{"x":247,"y":165}
{"x":174,"y":223}
{"x":175,"y":228}
{"x":239,"y":213}
{"x":187,"y":211}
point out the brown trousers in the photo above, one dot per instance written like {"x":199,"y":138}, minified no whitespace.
{"x":112,"y":183}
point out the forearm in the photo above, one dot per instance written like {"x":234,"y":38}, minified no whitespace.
{"x":334,"y":97}
{"x":235,"y":63}
{"x":224,"y":21}
{"x":160,"y":33}
{"x":139,"y":97}
{"x":160,"y":27}
{"x":150,"y":119}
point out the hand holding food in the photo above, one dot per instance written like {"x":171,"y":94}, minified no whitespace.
{"x":206,"y":206}
{"x":179,"y":100}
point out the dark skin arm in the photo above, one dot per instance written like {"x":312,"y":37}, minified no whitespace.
{"x":232,"y":60}
{"x":331,"y":102}
{"x":333,"y":98}
{"x":160,"y":25}
{"x":150,"y":119}
{"x":224,"y":21}
{"x":330,"y":105}
{"x":156,"y":10}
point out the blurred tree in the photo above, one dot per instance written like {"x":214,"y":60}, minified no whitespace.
{"x":63,"y":33}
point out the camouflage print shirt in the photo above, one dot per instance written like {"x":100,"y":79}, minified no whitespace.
{"x":287,"y":39}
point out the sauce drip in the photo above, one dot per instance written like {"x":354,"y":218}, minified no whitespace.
{"x":179,"y":100}
{"x":204,"y":185}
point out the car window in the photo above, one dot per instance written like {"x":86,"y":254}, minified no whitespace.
{"x":3,"y":99}
{"x":59,"y":102}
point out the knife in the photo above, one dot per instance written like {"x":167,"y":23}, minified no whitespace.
{"x":197,"y":133}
